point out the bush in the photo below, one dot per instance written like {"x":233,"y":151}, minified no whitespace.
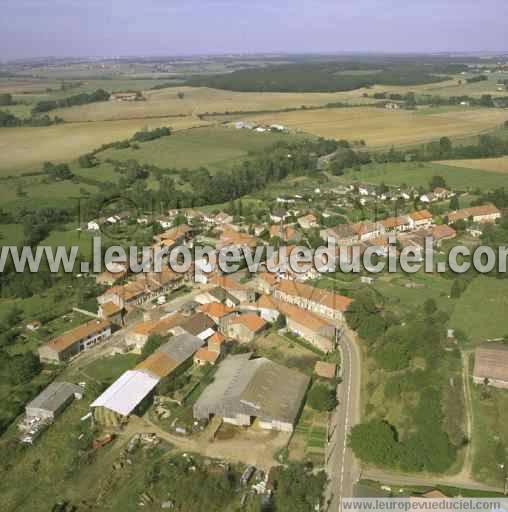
{"x":322,"y":398}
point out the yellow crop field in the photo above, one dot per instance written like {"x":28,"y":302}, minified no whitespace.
{"x":482,"y":164}
{"x":25,"y":149}
{"x":201,"y":100}
{"x":381,"y":127}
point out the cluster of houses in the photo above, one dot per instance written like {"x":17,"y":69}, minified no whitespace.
{"x":260,"y":128}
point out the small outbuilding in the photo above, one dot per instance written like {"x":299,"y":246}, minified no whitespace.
{"x":53,"y":400}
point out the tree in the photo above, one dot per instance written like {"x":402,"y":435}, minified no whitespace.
{"x":281,"y":322}
{"x":454,"y":203}
{"x":430,"y":307}
{"x":6,"y":99}
{"x":322,"y":398}
{"x":297,"y":488}
{"x":86,"y":161}
{"x":181,"y":95}
{"x":375,"y":443}
{"x":151,"y":345}
{"x":437,"y":182}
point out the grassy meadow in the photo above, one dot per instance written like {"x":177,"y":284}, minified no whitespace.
{"x":490,"y":430}
{"x":214,"y":147}
{"x":418,"y":174}
{"x":481,"y":309}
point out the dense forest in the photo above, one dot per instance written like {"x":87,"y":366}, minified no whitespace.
{"x":328,"y":76}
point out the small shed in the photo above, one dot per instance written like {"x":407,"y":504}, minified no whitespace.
{"x":53,"y":400}
{"x":325,"y":370}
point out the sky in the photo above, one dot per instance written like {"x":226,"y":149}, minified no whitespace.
{"x":62,"y":28}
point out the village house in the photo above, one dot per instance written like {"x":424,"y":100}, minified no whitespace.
{"x":244,"y":328}
{"x":321,"y":302}
{"x":442,"y":232}
{"x":234,"y":288}
{"x":173,"y":236}
{"x":307,"y":325}
{"x":74,"y":341}
{"x":111,"y":312}
{"x":366,"y":190}
{"x":266,"y":306}
{"x":396,"y":224}
{"x":491,"y":365}
{"x":211,"y":353}
{"x":381,"y":243}
{"x":110,"y":277}
{"x":486,"y":213}
{"x":199,"y":325}
{"x":165,"y":222}
{"x":265,"y":282}
{"x":343,"y":234}
{"x":137,"y":337}
{"x":33,"y":325}
{"x":124,"y":96}
{"x":285,"y":233}
{"x":93,"y":225}
{"x":368,"y":230}
{"x":279,"y":215}
{"x":421,"y":219}
{"x":217,"y":311}
{"x":441,"y":193}
{"x":308,"y":221}
{"x":232,"y":238}
{"x":146,"y":287}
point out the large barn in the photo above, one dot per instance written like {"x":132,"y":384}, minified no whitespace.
{"x":245,"y":389}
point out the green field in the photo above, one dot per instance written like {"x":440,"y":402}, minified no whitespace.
{"x":107,"y":369}
{"x":490,"y":431}
{"x":215,"y":148}
{"x":11,"y":234}
{"x":40,"y":191}
{"x":481,"y":310}
{"x":419,"y":174}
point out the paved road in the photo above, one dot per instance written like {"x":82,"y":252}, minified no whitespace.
{"x":343,"y":469}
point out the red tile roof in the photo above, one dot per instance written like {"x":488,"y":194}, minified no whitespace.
{"x":253,"y":322}
{"x":329,"y":299}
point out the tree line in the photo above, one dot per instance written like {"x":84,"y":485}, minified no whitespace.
{"x":71,"y":101}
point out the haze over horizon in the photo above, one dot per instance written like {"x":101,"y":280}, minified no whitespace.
{"x":63,"y":28}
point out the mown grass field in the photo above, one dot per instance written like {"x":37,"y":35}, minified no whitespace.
{"x":25,"y":149}
{"x":481,"y":309}
{"x":499,"y":165}
{"x":381,"y":127}
{"x":214,"y":147}
{"x":419,"y":174}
